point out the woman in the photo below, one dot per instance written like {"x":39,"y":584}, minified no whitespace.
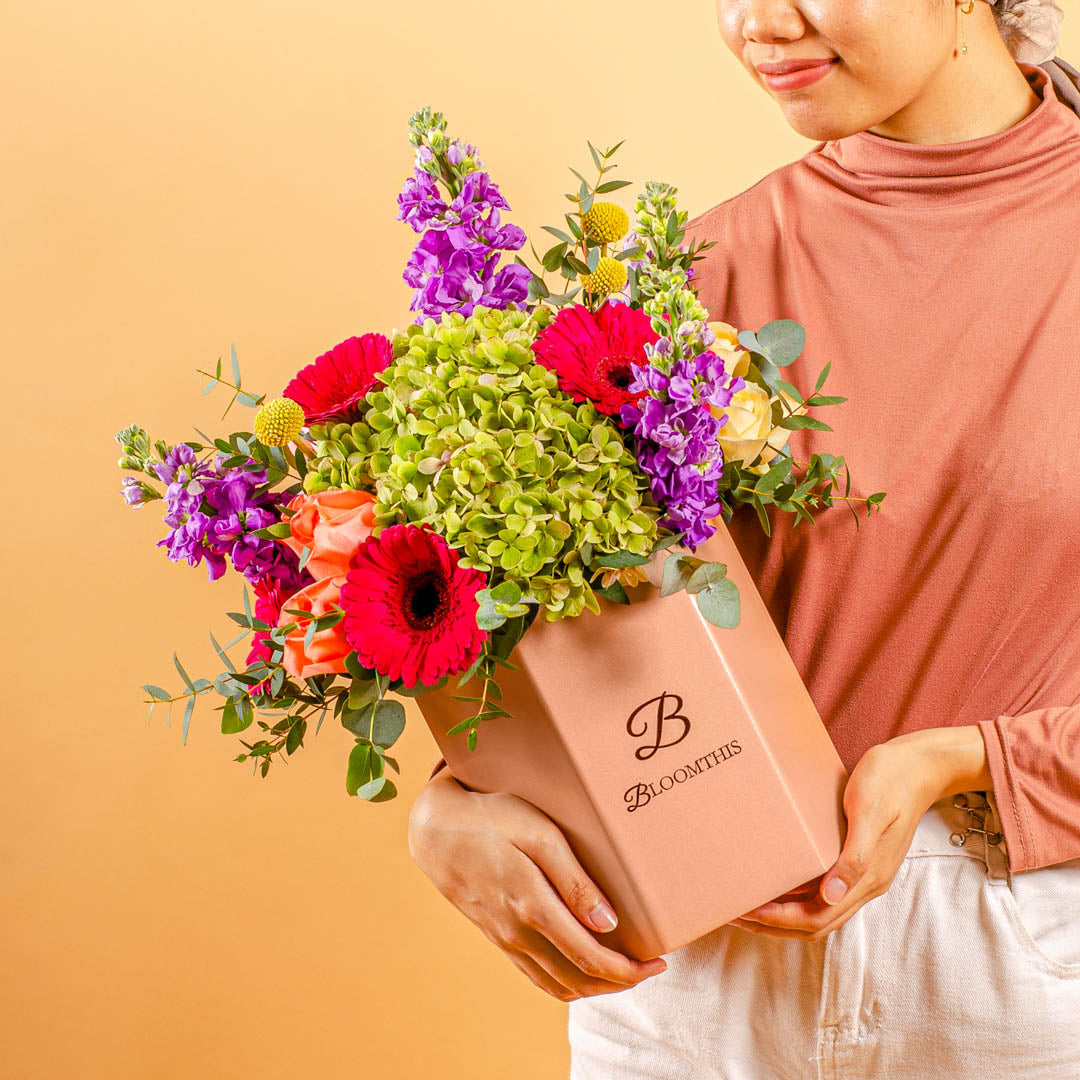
{"x":929,"y":244}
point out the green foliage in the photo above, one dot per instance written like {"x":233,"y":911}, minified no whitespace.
{"x":716,"y":594}
{"x":245,"y":397}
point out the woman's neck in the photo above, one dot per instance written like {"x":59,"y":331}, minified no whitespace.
{"x":977,"y":93}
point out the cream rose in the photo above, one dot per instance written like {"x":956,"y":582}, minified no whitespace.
{"x":736,"y":360}
{"x":748,"y":427}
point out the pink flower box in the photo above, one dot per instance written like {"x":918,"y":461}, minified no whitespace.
{"x":686,"y":764}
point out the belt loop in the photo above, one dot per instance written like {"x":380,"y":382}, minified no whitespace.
{"x":985,"y":823}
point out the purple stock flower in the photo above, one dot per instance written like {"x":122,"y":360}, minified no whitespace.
{"x":188,"y":540}
{"x":677,"y":433}
{"x":133,"y":492}
{"x":420,"y":201}
{"x":185,"y":476}
{"x":455,"y":265}
{"x":448,"y":277}
{"x":213,"y":513}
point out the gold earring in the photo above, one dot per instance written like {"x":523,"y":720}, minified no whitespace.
{"x":963,"y":24}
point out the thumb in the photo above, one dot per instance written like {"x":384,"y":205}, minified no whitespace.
{"x":553,"y":855}
{"x":853,"y":859}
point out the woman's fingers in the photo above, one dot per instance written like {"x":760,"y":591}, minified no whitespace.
{"x":548,"y":848}
{"x":508,"y":868}
{"x":544,"y":910}
{"x":539,"y":975}
{"x":563,"y":970}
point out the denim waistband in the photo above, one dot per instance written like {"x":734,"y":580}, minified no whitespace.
{"x":968,"y":825}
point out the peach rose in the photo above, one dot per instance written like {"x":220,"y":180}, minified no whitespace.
{"x":332,"y":524}
{"x":328,"y":648}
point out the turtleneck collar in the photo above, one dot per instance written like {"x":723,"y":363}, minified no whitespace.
{"x":892,"y":171}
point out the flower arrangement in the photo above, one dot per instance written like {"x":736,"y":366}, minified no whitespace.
{"x":411,"y":503}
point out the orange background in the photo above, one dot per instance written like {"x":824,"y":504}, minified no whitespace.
{"x":176,"y":178}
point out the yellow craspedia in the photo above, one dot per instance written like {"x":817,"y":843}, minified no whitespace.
{"x":605,"y":222}
{"x":278,"y":422}
{"x":608,"y":277}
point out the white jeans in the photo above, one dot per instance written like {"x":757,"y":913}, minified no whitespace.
{"x":960,"y":969}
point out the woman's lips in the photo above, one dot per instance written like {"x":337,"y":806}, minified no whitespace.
{"x":799,"y":77}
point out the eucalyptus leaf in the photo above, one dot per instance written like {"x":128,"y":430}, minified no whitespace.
{"x":559,"y":234}
{"x":620,"y":559}
{"x":666,"y":542}
{"x":782,"y":341}
{"x":359,"y":771}
{"x":378,"y":790}
{"x":222,"y":654}
{"x":615,"y":592}
{"x":678,"y":570}
{"x":362,"y":692}
{"x":389,"y":723}
{"x":719,"y":604}
{"x":795,"y":423}
{"x":822,"y":377}
{"x":793,"y":391}
{"x":707,"y":575}
{"x":234,"y":720}
{"x":183,"y":673}
{"x":295,"y":738}
{"x":187,"y":715}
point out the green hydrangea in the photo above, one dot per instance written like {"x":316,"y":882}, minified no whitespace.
{"x":469,"y":434}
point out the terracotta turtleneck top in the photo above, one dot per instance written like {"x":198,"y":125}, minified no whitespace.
{"x":942,"y":282}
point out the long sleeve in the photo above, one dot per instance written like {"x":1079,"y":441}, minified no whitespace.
{"x":1034,"y":761}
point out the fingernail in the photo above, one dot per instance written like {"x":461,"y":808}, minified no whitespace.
{"x":602,"y":917}
{"x":834,"y":890}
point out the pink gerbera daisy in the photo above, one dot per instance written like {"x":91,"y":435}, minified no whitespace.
{"x":332,"y":386}
{"x":410,"y":610}
{"x":594,"y":353}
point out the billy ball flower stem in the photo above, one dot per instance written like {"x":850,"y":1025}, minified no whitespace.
{"x":583,"y":244}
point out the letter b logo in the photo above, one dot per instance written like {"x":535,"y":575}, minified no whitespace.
{"x":665,"y":708}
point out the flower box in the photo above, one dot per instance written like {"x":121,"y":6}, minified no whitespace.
{"x":686,"y":764}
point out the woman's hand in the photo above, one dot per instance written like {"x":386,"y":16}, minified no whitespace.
{"x":890,"y":789}
{"x":508,"y":867}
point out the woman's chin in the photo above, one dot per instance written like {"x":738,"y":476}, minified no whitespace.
{"x":812,"y":121}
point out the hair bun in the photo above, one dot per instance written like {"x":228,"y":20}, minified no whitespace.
{"x":1031,"y":29}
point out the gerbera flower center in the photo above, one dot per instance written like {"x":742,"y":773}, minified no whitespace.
{"x":617,"y":372}
{"x":425,"y":601}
